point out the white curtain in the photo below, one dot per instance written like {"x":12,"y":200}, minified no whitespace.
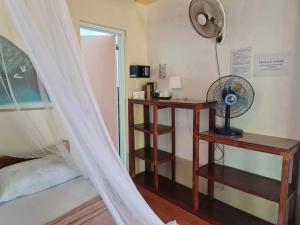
{"x":46,"y":29}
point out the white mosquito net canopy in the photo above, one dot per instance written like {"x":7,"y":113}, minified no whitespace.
{"x":68,"y":108}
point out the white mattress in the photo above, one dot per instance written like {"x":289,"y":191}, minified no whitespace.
{"x":45,"y":206}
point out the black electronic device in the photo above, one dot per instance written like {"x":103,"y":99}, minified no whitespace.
{"x":139,"y":71}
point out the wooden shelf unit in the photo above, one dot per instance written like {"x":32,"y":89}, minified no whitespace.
{"x":148,"y":155}
{"x":282,"y":192}
{"x":149,"y":128}
{"x":152,"y":155}
{"x":205,"y":206}
{"x":247,"y":182}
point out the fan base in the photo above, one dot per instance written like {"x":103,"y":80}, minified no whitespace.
{"x":228,"y":131}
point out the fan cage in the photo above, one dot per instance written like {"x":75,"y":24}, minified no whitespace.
{"x":194,"y":23}
{"x":240,"y":86}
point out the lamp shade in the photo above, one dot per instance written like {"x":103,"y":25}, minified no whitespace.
{"x":175,"y":82}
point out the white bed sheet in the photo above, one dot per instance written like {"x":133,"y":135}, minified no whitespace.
{"x":45,"y":206}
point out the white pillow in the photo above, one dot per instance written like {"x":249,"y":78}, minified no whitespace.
{"x":33,"y":176}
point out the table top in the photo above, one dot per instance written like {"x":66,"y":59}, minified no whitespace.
{"x":185,"y":103}
{"x":263,"y":143}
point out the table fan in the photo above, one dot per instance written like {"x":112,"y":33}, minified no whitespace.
{"x":208,"y":18}
{"x":234,"y":96}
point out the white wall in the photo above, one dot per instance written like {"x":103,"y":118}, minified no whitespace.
{"x":268,"y":26}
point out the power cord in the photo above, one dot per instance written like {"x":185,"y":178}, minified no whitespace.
{"x":217,"y":59}
{"x":219,"y":147}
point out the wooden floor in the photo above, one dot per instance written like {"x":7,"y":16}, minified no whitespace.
{"x":167,"y":211}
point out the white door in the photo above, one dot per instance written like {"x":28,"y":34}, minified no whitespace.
{"x":99,"y":55}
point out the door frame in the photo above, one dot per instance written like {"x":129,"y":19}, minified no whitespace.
{"x":121,"y":84}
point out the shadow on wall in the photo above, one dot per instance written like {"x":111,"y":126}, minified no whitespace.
{"x":294,"y":110}
{"x":295,"y":95}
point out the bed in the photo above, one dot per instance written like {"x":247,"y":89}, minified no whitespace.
{"x":73,"y":202}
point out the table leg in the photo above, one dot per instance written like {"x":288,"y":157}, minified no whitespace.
{"x":155,"y":146}
{"x":147,"y":138}
{"x":211,"y":152}
{"x":211,"y":160}
{"x":296,"y":171}
{"x":196,"y":123}
{"x":173,"y":145}
{"x":282,"y":218}
{"x":131,"y":140}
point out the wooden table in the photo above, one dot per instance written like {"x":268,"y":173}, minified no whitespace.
{"x":152,"y":155}
{"x":281,"y":192}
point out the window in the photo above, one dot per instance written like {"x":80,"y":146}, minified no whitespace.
{"x":18,"y":78}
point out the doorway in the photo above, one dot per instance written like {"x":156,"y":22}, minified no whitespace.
{"x":103,"y":54}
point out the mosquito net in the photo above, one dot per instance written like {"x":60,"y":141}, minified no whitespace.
{"x":47,"y":75}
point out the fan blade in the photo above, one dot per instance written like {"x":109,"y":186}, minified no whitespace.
{"x":197,"y":8}
{"x":240,"y":105}
{"x":209,"y":28}
{"x":212,"y":17}
{"x":215,"y":14}
{"x":207,"y":8}
{"x":220,"y":105}
{"x":237,"y":88}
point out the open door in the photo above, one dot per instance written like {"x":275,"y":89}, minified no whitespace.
{"x":99,"y":55}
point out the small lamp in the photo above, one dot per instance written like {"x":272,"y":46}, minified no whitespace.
{"x":175,"y":84}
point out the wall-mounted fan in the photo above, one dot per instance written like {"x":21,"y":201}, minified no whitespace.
{"x":234,"y":96}
{"x":208,"y":18}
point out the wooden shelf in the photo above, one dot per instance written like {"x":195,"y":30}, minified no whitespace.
{"x":147,"y":155}
{"x":186,"y":104}
{"x":247,"y":182}
{"x":282,"y":192}
{"x":148,"y":128}
{"x":149,"y":133}
{"x":256,"y":142}
{"x":214,"y":211}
